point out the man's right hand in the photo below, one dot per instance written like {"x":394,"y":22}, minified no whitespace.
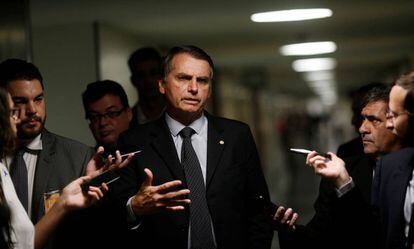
{"x":332,"y":168}
{"x":153,"y":199}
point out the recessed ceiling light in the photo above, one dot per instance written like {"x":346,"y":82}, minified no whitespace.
{"x":315,"y":64}
{"x":308,"y":48}
{"x":291,"y":15}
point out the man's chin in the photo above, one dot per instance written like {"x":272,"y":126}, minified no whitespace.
{"x":28,"y":134}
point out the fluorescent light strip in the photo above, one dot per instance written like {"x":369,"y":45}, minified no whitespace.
{"x":308,"y":48}
{"x":291,"y":15}
{"x":315,"y":64}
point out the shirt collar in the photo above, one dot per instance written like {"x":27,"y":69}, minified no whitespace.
{"x":175,"y":126}
{"x":36,"y":143}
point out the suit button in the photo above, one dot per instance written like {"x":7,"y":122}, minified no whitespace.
{"x":183,"y":228}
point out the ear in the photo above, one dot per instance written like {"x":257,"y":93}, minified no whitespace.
{"x":129,"y":114}
{"x":161,"y":85}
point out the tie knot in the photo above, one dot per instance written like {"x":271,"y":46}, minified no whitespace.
{"x":187,"y":132}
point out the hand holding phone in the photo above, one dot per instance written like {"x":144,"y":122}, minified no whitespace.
{"x":107,"y":177}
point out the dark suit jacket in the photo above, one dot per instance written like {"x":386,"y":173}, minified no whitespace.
{"x":351,"y":148}
{"x":395,"y":172}
{"x":61,"y":161}
{"x":234,"y":178}
{"x":326,"y":229}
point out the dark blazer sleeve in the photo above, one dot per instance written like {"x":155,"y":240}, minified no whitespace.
{"x":260,"y":230}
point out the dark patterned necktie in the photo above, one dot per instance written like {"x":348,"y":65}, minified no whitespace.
{"x":201,"y":230}
{"x":18,"y":173}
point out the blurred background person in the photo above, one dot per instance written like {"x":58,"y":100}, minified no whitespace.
{"x":145,"y":67}
{"x":107,"y":109}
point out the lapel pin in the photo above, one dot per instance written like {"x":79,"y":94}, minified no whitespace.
{"x":221,"y":142}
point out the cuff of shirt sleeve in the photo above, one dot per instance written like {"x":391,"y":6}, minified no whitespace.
{"x":133,"y":221}
{"x":345,"y":188}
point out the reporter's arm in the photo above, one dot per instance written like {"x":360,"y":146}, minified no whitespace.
{"x":71,"y":199}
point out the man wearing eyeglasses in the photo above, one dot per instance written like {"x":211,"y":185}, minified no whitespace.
{"x":107,"y":109}
{"x":394,"y":183}
{"x":392,"y":198}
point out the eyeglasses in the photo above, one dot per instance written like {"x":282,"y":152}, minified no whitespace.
{"x":394,"y":115}
{"x":95,"y":117}
{"x":15,"y":113}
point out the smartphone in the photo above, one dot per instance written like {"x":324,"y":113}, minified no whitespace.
{"x":108,"y":177}
{"x":306,"y":152}
{"x":122,"y":156}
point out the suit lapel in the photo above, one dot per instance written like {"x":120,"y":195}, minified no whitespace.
{"x":398,"y":184}
{"x":43,"y":171}
{"x":215,"y":146}
{"x":164,"y":146}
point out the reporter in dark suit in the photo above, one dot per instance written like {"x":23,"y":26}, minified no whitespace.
{"x":332,"y":219}
{"x":394,"y":184}
{"x":229,"y":172}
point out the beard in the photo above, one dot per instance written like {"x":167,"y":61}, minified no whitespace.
{"x":28,"y":133}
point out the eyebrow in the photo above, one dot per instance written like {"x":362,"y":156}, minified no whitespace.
{"x":23,"y":98}
{"x":107,"y":109}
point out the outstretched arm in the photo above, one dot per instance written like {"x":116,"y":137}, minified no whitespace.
{"x":72,"y":198}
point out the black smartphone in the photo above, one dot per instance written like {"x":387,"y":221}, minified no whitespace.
{"x":306,"y":152}
{"x":108,"y":177}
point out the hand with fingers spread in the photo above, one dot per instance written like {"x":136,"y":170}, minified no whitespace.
{"x":97,"y":165}
{"x":332,"y":168}
{"x":284,"y":219}
{"x":153,"y":199}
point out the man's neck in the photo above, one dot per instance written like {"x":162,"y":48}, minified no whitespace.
{"x":184,"y":118}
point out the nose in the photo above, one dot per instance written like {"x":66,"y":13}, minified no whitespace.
{"x":363,"y":129}
{"x":389,"y":123}
{"x":103,"y":120}
{"x":30,"y":108}
{"x":193,"y":86}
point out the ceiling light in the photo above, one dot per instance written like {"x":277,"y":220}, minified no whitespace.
{"x":308,"y":48}
{"x":291,"y":15}
{"x":323,"y":84}
{"x":319,"y":75}
{"x":315,"y":64}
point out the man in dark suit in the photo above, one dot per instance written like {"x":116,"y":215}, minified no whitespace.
{"x":217,"y":168}
{"x":326,"y":229}
{"x":394,"y":184}
{"x":50,"y":161}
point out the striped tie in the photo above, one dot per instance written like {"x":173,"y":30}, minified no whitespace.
{"x":201,"y":230}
